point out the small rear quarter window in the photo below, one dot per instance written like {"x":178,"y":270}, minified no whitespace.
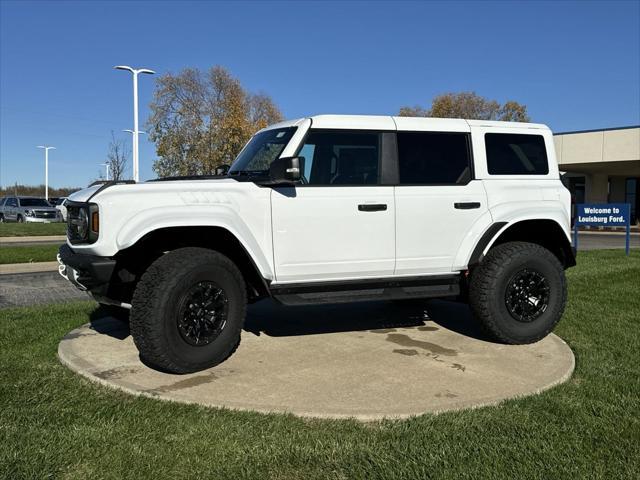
{"x":516,"y":154}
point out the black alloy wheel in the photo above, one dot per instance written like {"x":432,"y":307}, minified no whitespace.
{"x":527,"y":295}
{"x":202,"y":313}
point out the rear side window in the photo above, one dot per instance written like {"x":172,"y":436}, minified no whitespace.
{"x":433,"y":158}
{"x":515,"y":154}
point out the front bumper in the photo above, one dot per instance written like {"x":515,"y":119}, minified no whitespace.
{"x":42,"y":220}
{"x":87,"y":272}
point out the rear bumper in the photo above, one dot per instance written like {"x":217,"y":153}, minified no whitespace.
{"x":87,"y":272}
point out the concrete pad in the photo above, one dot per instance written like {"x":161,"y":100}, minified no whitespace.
{"x":367,"y":361}
{"x":10,"y":268}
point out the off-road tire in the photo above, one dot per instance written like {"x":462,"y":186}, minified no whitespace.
{"x":488,"y":290}
{"x":154,"y":313}
{"x":19,"y":219}
{"x":1,"y":217}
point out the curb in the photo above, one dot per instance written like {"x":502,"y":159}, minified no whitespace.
{"x":36,"y":267}
{"x":34,"y":239}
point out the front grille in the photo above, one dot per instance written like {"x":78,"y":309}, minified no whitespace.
{"x":45,"y":214}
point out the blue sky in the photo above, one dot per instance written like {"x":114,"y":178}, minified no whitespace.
{"x":576,"y":65}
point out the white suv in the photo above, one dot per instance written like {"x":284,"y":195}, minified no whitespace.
{"x":332,"y":209}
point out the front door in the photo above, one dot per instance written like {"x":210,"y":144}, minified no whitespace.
{"x":339,"y":223}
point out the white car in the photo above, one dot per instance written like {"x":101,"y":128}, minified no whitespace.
{"x":331,"y":209}
{"x":61,"y":207}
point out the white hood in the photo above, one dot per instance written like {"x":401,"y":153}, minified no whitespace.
{"x":84,"y":195}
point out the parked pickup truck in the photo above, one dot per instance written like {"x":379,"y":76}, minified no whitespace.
{"x":27,"y":209}
{"x":332,"y":209}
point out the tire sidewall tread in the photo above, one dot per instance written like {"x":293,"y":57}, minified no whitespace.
{"x":154,"y":309}
{"x":487,"y":290}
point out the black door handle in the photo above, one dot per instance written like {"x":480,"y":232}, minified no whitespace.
{"x":466,"y":205}
{"x":372,"y":207}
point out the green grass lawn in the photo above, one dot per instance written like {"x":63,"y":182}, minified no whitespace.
{"x":55,"y":424}
{"x":13,"y":229}
{"x":28,"y":254}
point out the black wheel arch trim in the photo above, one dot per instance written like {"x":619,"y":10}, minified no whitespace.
{"x":489,"y":234}
{"x":566,"y":252}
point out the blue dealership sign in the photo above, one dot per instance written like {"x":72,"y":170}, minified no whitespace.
{"x":603,"y":215}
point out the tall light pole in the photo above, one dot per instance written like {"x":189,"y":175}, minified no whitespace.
{"x":134,"y":137}
{"x":46,"y":169}
{"x":135,"y":72}
{"x":107,"y":166}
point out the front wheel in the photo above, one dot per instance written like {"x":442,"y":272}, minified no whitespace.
{"x":188,"y":310}
{"x":518,"y":292}
{"x":19,"y":219}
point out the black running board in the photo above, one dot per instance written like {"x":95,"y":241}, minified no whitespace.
{"x":365,"y":290}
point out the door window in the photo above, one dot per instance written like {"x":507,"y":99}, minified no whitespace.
{"x":340,"y":158}
{"x":433,"y":158}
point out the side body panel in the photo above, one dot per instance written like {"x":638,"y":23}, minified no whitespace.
{"x":514,"y":198}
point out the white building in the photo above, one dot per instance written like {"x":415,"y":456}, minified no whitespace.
{"x":602,"y":166}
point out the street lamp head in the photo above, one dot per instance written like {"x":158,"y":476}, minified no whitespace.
{"x":46,"y":148}
{"x":123,"y":67}
{"x":146,"y":70}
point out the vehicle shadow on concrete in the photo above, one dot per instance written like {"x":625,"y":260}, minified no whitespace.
{"x":270,"y":318}
{"x":275,"y":320}
{"x":102,"y":322}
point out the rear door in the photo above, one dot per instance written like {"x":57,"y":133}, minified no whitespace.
{"x":11,"y":208}
{"x":439,"y":204}
{"x":339,"y":223}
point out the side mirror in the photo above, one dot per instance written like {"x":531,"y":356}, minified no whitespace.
{"x":286,"y":170}
{"x":222,"y":169}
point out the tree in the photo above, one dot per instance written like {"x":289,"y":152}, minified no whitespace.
{"x":201,"y":120}
{"x":471,"y":106}
{"x":116,"y":158}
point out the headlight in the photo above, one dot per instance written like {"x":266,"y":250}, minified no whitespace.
{"x":82,"y":222}
{"x":30,"y":213}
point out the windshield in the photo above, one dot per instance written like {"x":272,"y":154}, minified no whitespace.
{"x":261,"y":150}
{"x":34,"y":202}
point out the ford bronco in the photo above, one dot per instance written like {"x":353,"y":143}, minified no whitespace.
{"x":331,"y":209}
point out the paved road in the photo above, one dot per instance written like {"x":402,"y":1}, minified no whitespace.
{"x":598,"y":241}
{"x":24,"y":289}
{"x":49,"y":287}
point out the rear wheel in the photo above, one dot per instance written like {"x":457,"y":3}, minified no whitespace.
{"x":518,"y":292}
{"x":19,"y":219}
{"x":1,"y":218}
{"x":188,"y":310}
